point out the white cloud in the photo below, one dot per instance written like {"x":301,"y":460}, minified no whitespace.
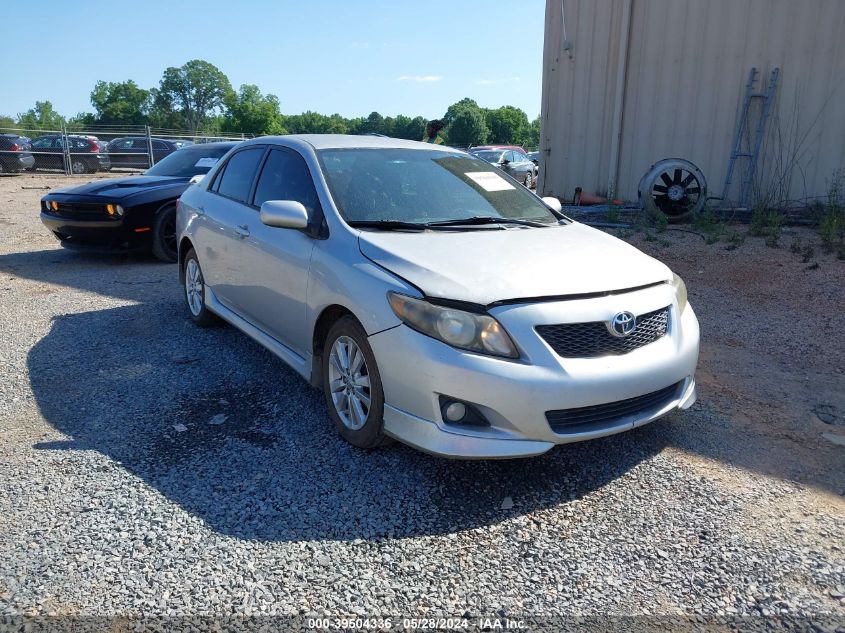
{"x":493,"y":82}
{"x":420,"y":78}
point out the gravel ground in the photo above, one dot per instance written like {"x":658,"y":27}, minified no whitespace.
{"x":151,"y":467}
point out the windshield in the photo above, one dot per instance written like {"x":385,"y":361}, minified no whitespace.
{"x":189,"y":161}
{"x":490,"y":157}
{"x":422,"y":186}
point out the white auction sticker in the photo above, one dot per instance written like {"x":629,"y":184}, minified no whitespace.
{"x":489,"y":180}
{"x":207,"y":162}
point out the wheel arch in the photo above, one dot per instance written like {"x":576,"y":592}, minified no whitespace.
{"x":184,"y":246}
{"x":328,"y":317}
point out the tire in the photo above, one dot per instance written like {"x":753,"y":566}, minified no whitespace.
{"x":79,"y":166}
{"x":529,"y":180}
{"x":194,"y":288}
{"x":348,"y":381}
{"x":164,"y":235}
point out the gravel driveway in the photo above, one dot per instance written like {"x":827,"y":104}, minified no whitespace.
{"x":151,"y":467}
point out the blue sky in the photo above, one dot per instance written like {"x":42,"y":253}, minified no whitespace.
{"x":346,"y":56}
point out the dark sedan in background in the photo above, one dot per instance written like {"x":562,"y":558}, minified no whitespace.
{"x":15,"y":154}
{"x":86,"y":156}
{"x":511,"y":161}
{"x":133,"y":152}
{"x":128,"y":214}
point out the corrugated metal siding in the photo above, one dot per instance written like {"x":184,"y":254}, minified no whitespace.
{"x":688,"y":61}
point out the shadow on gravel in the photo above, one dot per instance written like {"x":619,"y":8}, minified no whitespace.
{"x":224,"y":429}
{"x":221,"y":427}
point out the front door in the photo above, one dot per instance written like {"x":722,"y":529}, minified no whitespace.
{"x":272,"y":272}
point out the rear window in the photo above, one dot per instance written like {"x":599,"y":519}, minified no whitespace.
{"x":238,"y":174}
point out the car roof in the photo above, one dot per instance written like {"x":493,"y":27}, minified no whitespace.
{"x":347,"y":141}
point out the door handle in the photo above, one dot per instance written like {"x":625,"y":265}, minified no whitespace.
{"x":242,"y":231}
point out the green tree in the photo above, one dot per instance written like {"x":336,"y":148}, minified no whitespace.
{"x":508,"y":125}
{"x":6,"y":122}
{"x":468,"y":127}
{"x":455,"y":108}
{"x":532,"y":135}
{"x":373,"y":124}
{"x":196,"y":90}
{"x":41,"y":117}
{"x":250,"y":112}
{"x":81,"y":121}
{"x":120,"y":103}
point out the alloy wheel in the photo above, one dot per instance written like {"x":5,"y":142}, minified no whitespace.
{"x":193,"y":287}
{"x":349,"y":382}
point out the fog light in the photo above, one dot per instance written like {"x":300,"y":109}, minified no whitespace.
{"x":54,"y":205}
{"x":456,"y":411}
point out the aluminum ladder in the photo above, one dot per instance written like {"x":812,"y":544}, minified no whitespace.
{"x":753,"y":152}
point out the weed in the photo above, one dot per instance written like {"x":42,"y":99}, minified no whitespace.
{"x":832,"y":221}
{"x":711,"y":226}
{"x":612,"y":213}
{"x":808,"y":253}
{"x":649,"y":237}
{"x":795,"y":247}
{"x":767,"y":223}
{"x":735,"y":240}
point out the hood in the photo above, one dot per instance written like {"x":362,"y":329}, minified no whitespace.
{"x":121,"y":187}
{"x":487,"y":266}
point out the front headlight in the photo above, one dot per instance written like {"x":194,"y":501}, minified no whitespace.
{"x":458,"y":328}
{"x":114,"y":210}
{"x":680,"y":292}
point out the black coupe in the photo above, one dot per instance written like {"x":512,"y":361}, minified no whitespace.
{"x":134,"y":213}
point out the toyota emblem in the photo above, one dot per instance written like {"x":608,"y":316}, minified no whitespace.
{"x":622,"y":324}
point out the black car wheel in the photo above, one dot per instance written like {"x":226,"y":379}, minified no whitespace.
{"x":164,"y":234}
{"x":78,"y":166}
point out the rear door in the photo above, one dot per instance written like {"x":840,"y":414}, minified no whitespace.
{"x":224,"y":210}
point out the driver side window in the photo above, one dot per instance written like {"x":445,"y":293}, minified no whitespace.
{"x":285,"y":176}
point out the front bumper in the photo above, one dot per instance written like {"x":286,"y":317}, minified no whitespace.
{"x":96,"y":235}
{"x":514,"y":396}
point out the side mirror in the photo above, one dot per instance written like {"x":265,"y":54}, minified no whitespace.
{"x":504,"y":161}
{"x":284,"y":214}
{"x":196,"y":179}
{"x":552,"y":203}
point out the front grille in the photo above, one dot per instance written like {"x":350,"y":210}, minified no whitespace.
{"x":571,"y":420}
{"x":83,"y":211}
{"x":593,"y":339}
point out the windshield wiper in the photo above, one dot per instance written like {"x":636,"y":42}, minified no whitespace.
{"x":486,"y":219}
{"x":387,"y":225}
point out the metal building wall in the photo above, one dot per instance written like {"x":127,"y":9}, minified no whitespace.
{"x":687,"y":64}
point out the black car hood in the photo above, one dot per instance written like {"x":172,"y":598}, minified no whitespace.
{"x":122,"y":187}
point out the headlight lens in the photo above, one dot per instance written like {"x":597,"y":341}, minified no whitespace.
{"x":680,"y":292}
{"x":476,"y":332}
{"x":114,"y":210}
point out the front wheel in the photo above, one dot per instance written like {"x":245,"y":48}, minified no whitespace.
{"x":352,"y":385}
{"x":164,"y":235}
{"x":195,"y":292}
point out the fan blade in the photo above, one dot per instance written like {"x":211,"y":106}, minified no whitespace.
{"x":666,"y":180}
{"x":694,"y":190}
{"x":660,"y":188}
{"x":686,"y":181}
{"x":677,"y":179}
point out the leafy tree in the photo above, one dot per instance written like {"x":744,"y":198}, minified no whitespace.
{"x":120,"y":103}
{"x":508,"y":125}
{"x":6,"y":122}
{"x":163,"y":113}
{"x":81,"y":121}
{"x":41,"y":117}
{"x":532,"y":135}
{"x":455,"y":108}
{"x":468,"y":127}
{"x":373,"y":124}
{"x":197,"y":90}
{"x":249,"y":112}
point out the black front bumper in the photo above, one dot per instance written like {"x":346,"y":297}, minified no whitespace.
{"x":98,"y":235}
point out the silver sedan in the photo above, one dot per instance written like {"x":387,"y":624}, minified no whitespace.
{"x":433,"y":298}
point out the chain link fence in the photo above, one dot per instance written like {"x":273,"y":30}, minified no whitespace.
{"x":78,"y":150}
